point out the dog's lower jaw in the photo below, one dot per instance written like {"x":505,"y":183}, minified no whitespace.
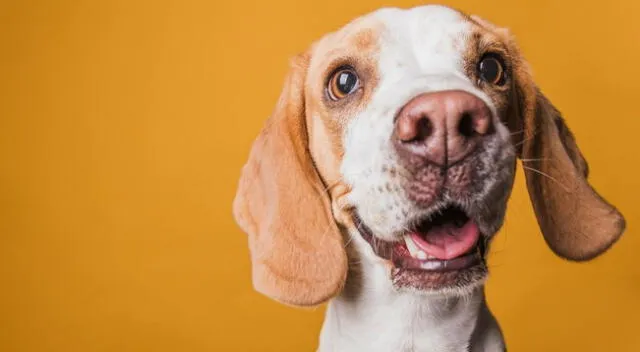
{"x":371,"y":315}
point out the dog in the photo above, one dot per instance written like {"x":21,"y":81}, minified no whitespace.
{"x":384,"y":173}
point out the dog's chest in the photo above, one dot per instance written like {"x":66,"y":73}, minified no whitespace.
{"x":402,"y":325}
{"x":446,"y":335}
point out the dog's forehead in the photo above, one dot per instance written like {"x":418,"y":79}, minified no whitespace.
{"x":423,"y":40}
{"x":425,"y":34}
{"x":431,"y":29}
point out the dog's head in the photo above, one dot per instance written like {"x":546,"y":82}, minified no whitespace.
{"x":398,"y":134}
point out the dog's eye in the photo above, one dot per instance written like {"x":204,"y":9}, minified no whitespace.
{"x":491,"y":70}
{"x":342,"y":83}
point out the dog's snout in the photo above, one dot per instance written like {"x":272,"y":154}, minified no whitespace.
{"x":442,"y":127}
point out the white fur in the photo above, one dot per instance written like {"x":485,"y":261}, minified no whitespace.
{"x":381,"y":319}
{"x":420,"y":51}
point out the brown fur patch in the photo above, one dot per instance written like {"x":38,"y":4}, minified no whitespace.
{"x":293,"y":168}
{"x":365,"y":39}
{"x":481,"y":41}
{"x":577,"y":223}
{"x":299,"y":259}
{"x":355,"y":45}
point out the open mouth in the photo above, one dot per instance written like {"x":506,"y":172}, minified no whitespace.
{"x":448,"y":240}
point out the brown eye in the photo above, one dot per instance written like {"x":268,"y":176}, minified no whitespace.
{"x":342,"y":83}
{"x":491,"y":70}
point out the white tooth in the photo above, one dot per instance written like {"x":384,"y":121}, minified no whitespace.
{"x":421,"y":255}
{"x":411,"y":246}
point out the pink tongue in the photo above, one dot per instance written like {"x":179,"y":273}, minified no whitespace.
{"x":447,"y":241}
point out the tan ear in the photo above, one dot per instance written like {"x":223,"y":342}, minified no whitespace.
{"x":577,"y":223}
{"x":297,"y":251}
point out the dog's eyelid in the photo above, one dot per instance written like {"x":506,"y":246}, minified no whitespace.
{"x":495,"y":48}
{"x":343,"y":63}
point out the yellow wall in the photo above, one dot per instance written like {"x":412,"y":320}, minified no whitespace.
{"x":123,"y":126}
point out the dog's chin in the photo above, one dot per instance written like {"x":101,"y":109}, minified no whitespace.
{"x":443,"y":253}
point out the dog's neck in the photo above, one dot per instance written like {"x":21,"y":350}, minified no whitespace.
{"x":371,"y":315}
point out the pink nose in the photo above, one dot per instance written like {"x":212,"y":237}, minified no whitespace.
{"x":442,"y":127}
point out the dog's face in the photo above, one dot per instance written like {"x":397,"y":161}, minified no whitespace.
{"x":417,"y":104}
{"x":398,"y":136}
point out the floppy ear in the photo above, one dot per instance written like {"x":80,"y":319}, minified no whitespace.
{"x":577,"y":223}
{"x":297,"y":251}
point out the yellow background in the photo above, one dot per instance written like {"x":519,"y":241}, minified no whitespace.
{"x":123,"y":127}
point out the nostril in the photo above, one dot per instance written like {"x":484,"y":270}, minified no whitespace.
{"x":413,"y":128}
{"x":466,"y":126}
{"x":424,"y":128}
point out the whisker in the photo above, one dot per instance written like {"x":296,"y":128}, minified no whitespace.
{"x":351,"y":236}
{"x":535,"y":159}
{"x":526,"y":139}
{"x":546,"y":175}
{"x":330,"y":186}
